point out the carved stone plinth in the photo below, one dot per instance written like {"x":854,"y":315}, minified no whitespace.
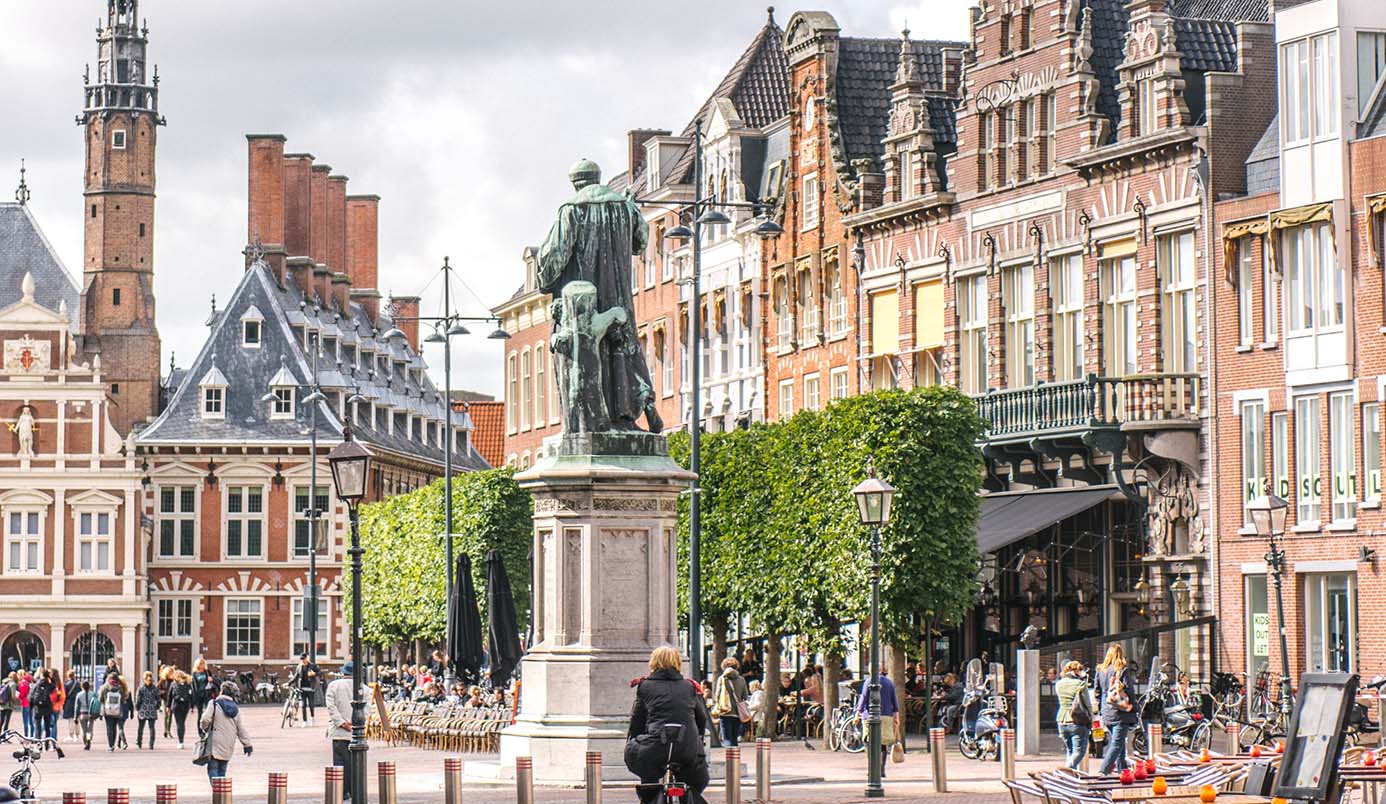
{"x":604,"y":597}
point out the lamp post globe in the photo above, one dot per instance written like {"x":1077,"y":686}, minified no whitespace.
{"x":1268,"y":514}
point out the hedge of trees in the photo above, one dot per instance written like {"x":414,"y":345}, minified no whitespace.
{"x":781,"y":541}
{"x":403,"y":592}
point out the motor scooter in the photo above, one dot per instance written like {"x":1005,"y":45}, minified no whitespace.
{"x":983,"y":717}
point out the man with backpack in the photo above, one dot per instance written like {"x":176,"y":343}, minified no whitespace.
{"x":88,"y":708}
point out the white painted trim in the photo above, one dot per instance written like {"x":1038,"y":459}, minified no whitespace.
{"x":1336,"y":565}
{"x":1253,"y":568}
{"x":1261,"y":395}
{"x":226,"y":624}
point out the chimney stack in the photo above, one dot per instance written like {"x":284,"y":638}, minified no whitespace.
{"x":363,"y":251}
{"x":635,"y":151}
{"x":322,"y":283}
{"x":265,"y":193}
{"x":341,"y":292}
{"x":408,"y":307}
{"x":336,"y":223}
{"x":317,"y":213}
{"x":297,"y":224}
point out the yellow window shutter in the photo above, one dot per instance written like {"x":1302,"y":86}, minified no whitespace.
{"x":928,"y":315}
{"x":885,"y":322}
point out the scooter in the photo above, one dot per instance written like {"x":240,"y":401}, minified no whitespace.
{"x":1187,"y":726}
{"x":1359,"y":717}
{"x":983,"y":718}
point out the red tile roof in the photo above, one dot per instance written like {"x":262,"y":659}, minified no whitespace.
{"x":488,"y":433}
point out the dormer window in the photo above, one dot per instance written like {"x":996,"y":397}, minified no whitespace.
{"x":281,"y":396}
{"x":252,"y":327}
{"x":213,"y":388}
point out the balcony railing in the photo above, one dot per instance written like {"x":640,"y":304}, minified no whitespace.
{"x":1090,"y":403}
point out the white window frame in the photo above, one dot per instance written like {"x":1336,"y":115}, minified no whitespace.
{"x":813,"y":398}
{"x":1371,"y":453}
{"x":1309,"y":83}
{"x":838,"y":383}
{"x":258,"y":613}
{"x":906,"y":170}
{"x":808,"y":308}
{"x":177,"y":517}
{"x":282,"y":406}
{"x":252,"y":327}
{"x":1147,"y":108}
{"x":1308,"y":473}
{"x":30,"y":539}
{"x":298,"y":635}
{"x":808,"y":201}
{"x":972,"y":356}
{"x":87,"y":527}
{"x":1311,"y":268}
{"x":298,"y":516}
{"x":1316,"y":615}
{"x":1280,"y":454}
{"x":784,"y":318}
{"x":1270,"y":293}
{"x":837,"y":302}
{"x":1066,"y":285}
{"x":119,"y":139}
{"x":1371,"y":66}
{"x":1177,"y":264}
{"x":1018,"y":294}
{"x":246,"y":518}
{"x":1252,"y":416}
{"x":512,"y":399}
{"x":1119,"y":307}
{"x":786,"y":399}
{"x":214,"y":402}
{"x":174,"y":617}
{"x":541,"y":389}
{"x":526,"y":388}
{"x":1246,"y":296}
{"x":1342,"y":456}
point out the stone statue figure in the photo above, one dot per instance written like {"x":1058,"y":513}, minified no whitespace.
{"x":585,"y":264}
{"x":24,"y":428}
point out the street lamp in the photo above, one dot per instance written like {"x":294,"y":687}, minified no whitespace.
{"x":1268,"y":516}
{"x":874,"y":497}
{"x":703,"y":210}
{"x":444,"y":327}
{"x":350,"y":466}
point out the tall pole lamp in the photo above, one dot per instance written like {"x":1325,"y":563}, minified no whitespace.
{"x":350,"y":463}
{"x":874,"y":497}
{"x":1268,"y":516}
{"x":445,"y":327}
{"x":704,"y":212}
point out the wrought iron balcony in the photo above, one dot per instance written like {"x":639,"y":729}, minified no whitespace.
{"x":1134,"y":401}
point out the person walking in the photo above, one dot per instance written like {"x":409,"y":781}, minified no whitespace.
{"x":221,"y":720}
{"x":127,"y":711}
{"x":203,"y":689}
{"x":9,"y":700}
{"x":146,"y":709}
{"x":729,"y":692}
{"x":70,"y":690}
{"x":180,"y":701}
{"x":24,"y":684}
{"x":1074,"y":730}
{"x":890,"y":715}
{"x":88,"y":708}
{"x":1114,"y":683}
{"x":305,"y":678}
{"x":338,"y":703}
{"x":165,"y":688}
{"x":112,"y":697}
{"x":41,"y":702}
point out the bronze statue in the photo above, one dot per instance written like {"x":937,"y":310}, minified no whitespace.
{"x":585,"y":264}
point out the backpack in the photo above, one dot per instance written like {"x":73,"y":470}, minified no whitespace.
{"x":111,"y":703}
{"x":6,"y":694}
{"x":1080,"y":711}
{"x":93,"y":703}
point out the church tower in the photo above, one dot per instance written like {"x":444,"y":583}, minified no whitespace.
{"x":121,"y":121}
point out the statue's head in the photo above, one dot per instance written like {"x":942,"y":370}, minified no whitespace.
{"x":583,"y":173}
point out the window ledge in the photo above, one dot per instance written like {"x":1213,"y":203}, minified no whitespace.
{"x":1342,"y":525}
{"x":1270,"y":346}
{"x":1370,"y":505}
{"x":841,"y":336}
{"x":1246,"y":531}
{"x":1308,"y":527}
{"x":1242,"y":348}
{"x":783,"y":351}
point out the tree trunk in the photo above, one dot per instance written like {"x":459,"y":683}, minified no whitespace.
{"x":420,"y":651}
{"x":896,"y":661}
{"x":718,"y":623}
{"x":832,"y":674}
{"x":771,"y":685}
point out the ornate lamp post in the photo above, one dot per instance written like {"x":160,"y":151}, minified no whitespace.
{"x":445,"y":327}
{"x":350,"y":466}
{"x":1268,"y":515}
{"x":874,"y":497}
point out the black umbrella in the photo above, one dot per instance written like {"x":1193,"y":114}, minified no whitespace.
{"x":503,"y":627}
{"x":465,"y":639}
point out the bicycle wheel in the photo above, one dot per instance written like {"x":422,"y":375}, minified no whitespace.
{"x":1202,"y":738}
{"x":1140,"y":743}
{"x":852,"y":736}
{"x":970,"y":749}
{"x":1251,"y":734}
{"x":290,"y":713}
{"x":831,"y":737}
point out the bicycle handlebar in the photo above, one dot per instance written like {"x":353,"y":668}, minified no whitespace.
{"x":43,"y":743}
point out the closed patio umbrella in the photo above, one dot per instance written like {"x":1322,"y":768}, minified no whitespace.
{"x":465,"y":639}
{"x":503,"y":627}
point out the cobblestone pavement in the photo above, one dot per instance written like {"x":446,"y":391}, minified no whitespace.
{"x":817,"y":776}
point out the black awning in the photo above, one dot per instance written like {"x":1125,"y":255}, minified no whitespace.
{"x":1007,"y":518}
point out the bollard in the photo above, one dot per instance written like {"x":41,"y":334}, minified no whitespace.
{"x":524,"y":780}
{"x":117,"y":795}
{"x":1008,"y":754}
{"x":333,"y":778}
{"x":1380,"y":709}
{"x":1234,"y":739}
{"x":452,"y":780}
{"x":168,"y":794}
{"x":74,"y":798}
{"x":594,"y":777}
{"x":733,"y":761}
{"x":1155,"y":742}
{"x":278,"y":790}
{"x":938,"y":754}
{"x":388,"y":792}
{"x":763,"y":770}
{"x":221,"y":790}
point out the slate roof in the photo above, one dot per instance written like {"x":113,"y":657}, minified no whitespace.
{"x":1225,"y":10}
{"x":1207,"y":45}
{"x":247,"y":419}
{"x":865,"y":70}
{"x":24,"y":250}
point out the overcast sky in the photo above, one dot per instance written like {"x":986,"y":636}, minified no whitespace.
{"x":463,"y":116}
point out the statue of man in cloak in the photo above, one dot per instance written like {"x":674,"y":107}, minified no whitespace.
{"x":597,"y":232}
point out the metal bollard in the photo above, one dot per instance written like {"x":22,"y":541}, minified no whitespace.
{"x":763,"y":770}
{"x":594,"y":777}
{"x":168,"y":794}
{"x":74,"y":798}
{"x":1234,"y":739}
{"x":452,"y":780}
{"x":938,"y":755}
{"x":117,"y":795}
{"x":1155,"y":743}
{"x":333,"y":778}
{"x":221,"y":790}
{"x":524,"y":780}
{"x":733,"y":760}
{"x":388,"y":792}
{"x":278,"y":789}
{"x":1008,"y":754}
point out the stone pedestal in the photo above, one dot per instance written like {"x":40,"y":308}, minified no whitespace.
{"x":1027,"y":705}
{"x":604,"y":597}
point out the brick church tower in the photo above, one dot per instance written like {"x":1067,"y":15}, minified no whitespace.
{"x":121,"y":120}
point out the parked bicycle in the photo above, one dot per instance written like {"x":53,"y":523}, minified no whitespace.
{"x":25,"y":780}
{"x":845,"y":731}
{"x":293,"y":706}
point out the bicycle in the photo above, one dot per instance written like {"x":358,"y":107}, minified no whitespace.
{"x":25,"y":780}
{"x":292,"y":707}
{"x":844,"y":731}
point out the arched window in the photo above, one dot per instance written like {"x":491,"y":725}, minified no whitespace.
{"x":89,"y":654}
{"x":22,"y":650}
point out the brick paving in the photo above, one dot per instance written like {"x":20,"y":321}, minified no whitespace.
{"x":819,"y":776}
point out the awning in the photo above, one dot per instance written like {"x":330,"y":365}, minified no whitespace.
{"x":1008,"y":518}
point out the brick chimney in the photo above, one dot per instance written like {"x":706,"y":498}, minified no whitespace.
{"x":265,"y":193}
{"x":336,"y":223}
{"x":341,"y":292}
{"x":297,"y":224}
{"x":301,"y":274}
{"x":322,"y":283}
{"x":317,"y":213}
{"x":635,"y":152}
{"x":362,"y":251}
{"x":408,"y":307}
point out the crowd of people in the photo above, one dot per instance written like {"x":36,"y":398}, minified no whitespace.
{"x":426,"y":683}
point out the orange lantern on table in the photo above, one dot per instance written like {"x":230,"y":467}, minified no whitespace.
{"x":1256,"y":751}
{"x":1204,"y":756}
{"x":1159,"y":787}
{"x":1369,"y":758}
{"x":1280,"y":747}
{"x":1207,"y":794}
